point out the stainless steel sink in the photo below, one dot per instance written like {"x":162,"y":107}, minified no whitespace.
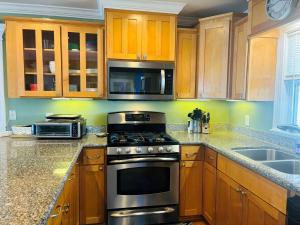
{"x":286,"y":166}
{"x":265,"y":154}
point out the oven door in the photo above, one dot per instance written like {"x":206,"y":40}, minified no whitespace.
{"x":143,"y":184}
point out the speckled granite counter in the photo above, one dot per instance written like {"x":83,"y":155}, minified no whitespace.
{"x":32,"y":176}
{"x":224,"y":141}
{"x":33,"y":172}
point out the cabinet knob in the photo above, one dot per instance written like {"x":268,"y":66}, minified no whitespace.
{"x":238,"y":190}
{"x":145,"y":57}
{"x":58,"y":208}
{"x":66,"y":208}
{"x":138,"y":56}
{"x":183,"y":164}
{"x":244,"y":193}
{"x":100,"y":168}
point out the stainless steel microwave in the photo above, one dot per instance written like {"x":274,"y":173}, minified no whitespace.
{"x":128,"y":80}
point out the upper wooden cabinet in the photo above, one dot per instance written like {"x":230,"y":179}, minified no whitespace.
{"x":33,"y":59}
{"x":55,"y":58}
{"x":82,"y":51}
{"x":215,"y":54}
{"x":124,"y":35}
{"x":186,"y":63}
{"x":262,"y":67}
{"x":140,"y":36}
{"x":239,"y":63}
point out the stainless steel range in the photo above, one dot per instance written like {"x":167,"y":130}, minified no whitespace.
{"x":143,"y":170}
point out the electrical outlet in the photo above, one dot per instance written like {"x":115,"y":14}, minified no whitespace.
{"x":247,"y":120}
{"x":12,"y":115}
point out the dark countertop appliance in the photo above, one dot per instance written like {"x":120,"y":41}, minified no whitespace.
{"x":142,"y":171}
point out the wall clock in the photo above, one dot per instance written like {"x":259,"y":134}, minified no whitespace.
{"x":280,"y":9}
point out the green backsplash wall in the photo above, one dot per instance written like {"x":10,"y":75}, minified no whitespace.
{"x":260,"y":113}
{"x":31,"y":110}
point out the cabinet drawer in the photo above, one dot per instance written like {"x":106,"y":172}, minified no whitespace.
{"x":93,"y":156}
{"x":190,"y":153}
{"x":211,"y":157}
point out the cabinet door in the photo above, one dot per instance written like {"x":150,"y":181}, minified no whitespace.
{"x":56,"y":213}
{"x":262,"y":69}
{"x":92,"y":194}
{"x":74,"y":195}
{"x":238,"y":82}
{"x":159,"y":34}
{"x":186,"y":64}
{"x":213,"y":58}
{"x":229,"y":210}
{"x":39,"y":60}
{"x":209,"y":193}
{"x":258,"y":212}
{"x":123,"y":35}
{"x":191,"y":188}
{"x":83,"y":66}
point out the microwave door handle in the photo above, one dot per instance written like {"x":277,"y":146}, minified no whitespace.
{"x":163,"y":81}
{"x":126,"y":213}
{"x":142,"y":84}
{"x":161,"y":159}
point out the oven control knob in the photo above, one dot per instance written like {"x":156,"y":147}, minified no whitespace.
{"x":138,"y":150}
{"x":160,"y":149}
{"x":119,"y":150}
{"x":150,"y":149}
{"x":169,"y":149}
{"x":128,"y":150}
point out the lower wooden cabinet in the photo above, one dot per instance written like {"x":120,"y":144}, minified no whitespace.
{"x":191,"y":188}
{"x":92,"y":204}
{"x":238,"y":206}
{"x":229,"y":201}
{"x":209,"y":193}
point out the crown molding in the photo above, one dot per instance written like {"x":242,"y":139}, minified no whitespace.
{"x":49,"y":10}
{"x":143,"y":5}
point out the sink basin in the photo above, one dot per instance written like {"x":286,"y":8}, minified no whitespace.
{"x":265,"y":154}
{"x":286,"y":166}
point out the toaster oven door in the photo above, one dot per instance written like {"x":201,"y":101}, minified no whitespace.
{"x":62,"y":130}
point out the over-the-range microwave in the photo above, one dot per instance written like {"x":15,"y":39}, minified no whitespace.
{"x":128,"y":80}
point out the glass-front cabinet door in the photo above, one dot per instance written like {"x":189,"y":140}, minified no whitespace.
{"x":82,"y":52}
{"x":40,"y":58}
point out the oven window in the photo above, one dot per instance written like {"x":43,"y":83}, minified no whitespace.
{"x":54,"y":130}
{"x":143,"y":180}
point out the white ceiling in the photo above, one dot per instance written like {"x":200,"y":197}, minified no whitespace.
{"x":193,"y":8}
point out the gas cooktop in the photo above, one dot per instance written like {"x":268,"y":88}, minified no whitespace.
{"x":119,"y":139}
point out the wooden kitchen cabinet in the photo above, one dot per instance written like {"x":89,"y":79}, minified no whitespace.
{"x":239,"y":63}
{"x":124,"y":35}
{"x":229,"y":206}
{"x":92,"y":192}
{"x":32,"y":50}
{"x":158,"y":37}
{"x":238,"y":206}
{"x":140,"y":36}
{"x":186,"y":63}
{"x":54,"y":58}
{"x":190,"y":188}
{"x":209,"y":193}
{"x":214,"y":55}
{"x":83,"y":62}
{"x":262,"y":67}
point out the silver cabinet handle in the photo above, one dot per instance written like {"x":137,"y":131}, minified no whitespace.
{"x":145,"y":57}
{"x":163,"y":81}
{"x":244,"y":193}
{"x":126,"y":213}
{"x":58,"y":213}
{"x":138,"y":56}
{"x":190,"y":155}
{"x":238,"y":190}
{"x":93,"y":158}
{"x":144,"y":160}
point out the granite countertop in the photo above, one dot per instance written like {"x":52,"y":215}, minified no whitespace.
{"x":33,"y":172}
{"x":32,"y":176}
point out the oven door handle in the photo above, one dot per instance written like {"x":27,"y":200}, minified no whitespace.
{"x":126,"y":213}
{"x":160,"y":159}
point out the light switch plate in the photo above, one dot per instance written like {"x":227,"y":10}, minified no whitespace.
{"x":247,"y":120}
{"x":12,"y":114}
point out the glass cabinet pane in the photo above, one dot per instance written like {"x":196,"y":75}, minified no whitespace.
{"x":30,"y":69}
{"x":91,"y":62}
{"x":74,"y":61}
{"x":48,"y":60}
